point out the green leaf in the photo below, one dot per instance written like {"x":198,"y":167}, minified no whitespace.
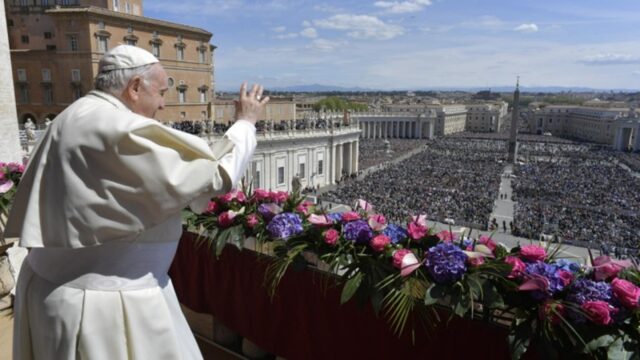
{"x":602,"y":341}
{"x":617,"y":351}
{"x":491,"y":296}
{"x":221,"y":241}
{"x":351,"y":287}
{"x":376,"y":301}
{"x":434,"y":293}
{"x":519,"y":337}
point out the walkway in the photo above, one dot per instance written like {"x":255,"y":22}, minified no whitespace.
{"x":504,"y":208}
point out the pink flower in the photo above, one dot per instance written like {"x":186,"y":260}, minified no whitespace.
{"x":486,"y":240}
{"x":212,"y":207}
{"x":551,"y":311}
{"x":535,"y":283}
{"x":446,"y":236}
{"x":364,"y":205}
{"x":280,"y":196}
{"x":518,"y":267}
{"x":475,"y":260}
{"x":626,"y":292}
{"x":379,"y":242}
{"x":261,"y":194}
{"x":420,"y":219}
{"x":350,"y":216}
{"x":597,"y":311}
{"x":331,"y":236}
{"x":319,"y":220}
{"x":565,"y":276}
{"x":406,"y":261}
{"x":533,"y":252}
{"x":377,"y":222}
{"x":416,"y":231}
{"x":15,"y":167}
{"x":252,"y":220}
{"x":5,"y":185}
{"x":233,"y":195}
{"x":304,"y":207}
{"x":225,"y":219}
{"x":606,"y":268}
{"x":2,"y":175}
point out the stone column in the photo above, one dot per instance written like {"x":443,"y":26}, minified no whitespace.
{"x":354,"y":156}
{"x":636,"y":141}
{"x":339,"y":161}
{"x":346,"y":158}
{"x":334,"y":166}
{"x":9,"y":133}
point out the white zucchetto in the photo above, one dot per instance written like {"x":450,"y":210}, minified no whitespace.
{"x":125,"y":57}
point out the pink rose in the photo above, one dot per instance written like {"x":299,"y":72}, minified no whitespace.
{"x":565,"y":276}
{"x":626,"y":292}
{"x":533,"y":253}
{"x":416,"y":231}
{"x":233,"y":195}
{"x":551,"y":311}
{"x":225,"y":219}
{"x":261,"y":194}
{"x":350,"y":216}
{"x":475,"y":260}
{"x":252,"y":220}
{"x":304,"y":207}
{"x":486,"y":241}
{"x":2,"y":175}
{"x":319,"y":220}
{"x":446,"y":236}
{"x":518,"y":267}
{"x":379,"y":242}
{"x":606,"y":268}
{"x":597,"y":311}
{"x":331,"y":236}
{"x":377,"y":222}
{"x":420,"y":219}
{"x":15,"y":167}
{"x":280,"y":196}
{"x":212,"y":207}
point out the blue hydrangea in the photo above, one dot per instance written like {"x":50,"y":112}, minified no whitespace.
{"x":335,"y":217}
{"x":358,"y":231}
{"x":584,"y":290}
{"x":285,"y":225}
{"x":568,"y":265}
{"x":395,"y":232}
{"x":550,"y":272}
{"x":446,"y":263}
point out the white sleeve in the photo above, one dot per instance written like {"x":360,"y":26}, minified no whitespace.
{"x":243,"y":136}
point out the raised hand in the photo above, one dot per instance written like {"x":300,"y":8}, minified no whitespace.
{"x":250,"y":105}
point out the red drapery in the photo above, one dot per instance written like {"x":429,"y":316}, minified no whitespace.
{"x":305,"y":322}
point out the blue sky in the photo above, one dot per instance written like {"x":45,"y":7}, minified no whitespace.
{"x":408,"y":44}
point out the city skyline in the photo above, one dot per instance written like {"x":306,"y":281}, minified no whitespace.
{"x":413,"y":44}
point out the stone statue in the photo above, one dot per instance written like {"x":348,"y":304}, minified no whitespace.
{"x":387,"y":147}
{"x":30,"y":130}
{"x":47,"y":122}
{"x":295,"y":184}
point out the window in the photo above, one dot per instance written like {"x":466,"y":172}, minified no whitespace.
{"x":25,"y":39}
{"x":116,"y":5}
{"x":131,"y":41}
{"x":201,"y":55}
{"x":155,"y":49}
{"x":102,"y":44}
{"x":75,"y":74}
{"x":130,"y":29}
{"x":23,"y":90}
{"x":170,"y":82}
{"x":73,"y":42}
{"x":255,"y":174}
{"x":77,"y":92}
{"x":183,"y":115}
{"x":320,"y":167}
{"x":46,"y":75}
{"x":182,"y":96}
{"x":301,"y":170}
{"x":101,"y":25}
{"x":22,"y":75}
{"x":203,"y":115}
{"x":203,"y":96}
{"x":47,"y":94}
{"x":280,"y":175}
{"x":180,"y":53}
{"x":127,"y":7}
{"x":47,"y":35}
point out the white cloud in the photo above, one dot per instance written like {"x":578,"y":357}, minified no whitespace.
{"x":306,"y":23}
{"x":286,"y":36}
{"x":326,"y":45}
{"x":527,"y":28}
{"x":610,"y":59}
{"x":399,"y":7}
{"x":326,"y":8}
{"x":361,"y":26}
{"x":309,"y":32}
{"x":637,"y":73}
{"x":279,"y":29}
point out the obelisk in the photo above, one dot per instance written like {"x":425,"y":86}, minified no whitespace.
{"x":512,"y":145}
{"x":9,"y":134}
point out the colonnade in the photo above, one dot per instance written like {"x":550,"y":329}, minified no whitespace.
{"x":344,"y":157}
{"x":394,"y":127}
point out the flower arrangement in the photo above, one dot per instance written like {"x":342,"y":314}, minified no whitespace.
{"x":562,"y":307}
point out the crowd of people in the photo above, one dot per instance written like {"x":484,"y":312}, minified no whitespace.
{"x":452,"y":179}
{"x":373,"y":152}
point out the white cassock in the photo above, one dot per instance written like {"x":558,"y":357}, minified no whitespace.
{"x":99,"y":206}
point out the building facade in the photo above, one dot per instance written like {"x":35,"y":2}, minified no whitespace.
{"x":278,"y":109}
{"x":486,"y":117}
{"x":56,"y":47}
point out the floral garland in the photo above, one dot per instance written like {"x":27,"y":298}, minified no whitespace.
{"x":562,"y":307}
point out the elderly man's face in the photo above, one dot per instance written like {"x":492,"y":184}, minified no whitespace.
{"x":151,"y":93}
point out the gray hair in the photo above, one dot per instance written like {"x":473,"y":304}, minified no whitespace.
{"x":114,"y":81}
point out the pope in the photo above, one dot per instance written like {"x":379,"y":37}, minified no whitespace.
{"x":99,"y":208}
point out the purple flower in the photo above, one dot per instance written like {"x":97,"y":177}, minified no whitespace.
{"x":358,"y":231}
{"x":335,"y":217}
{"x":285,"y":225}
{"x":395,"y":232}
{"x":269,"y":210}
{"x":568,"y":265}
{"x":445,"y":263}
{"x":584,"y":290}
{"x":549,"y":272}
